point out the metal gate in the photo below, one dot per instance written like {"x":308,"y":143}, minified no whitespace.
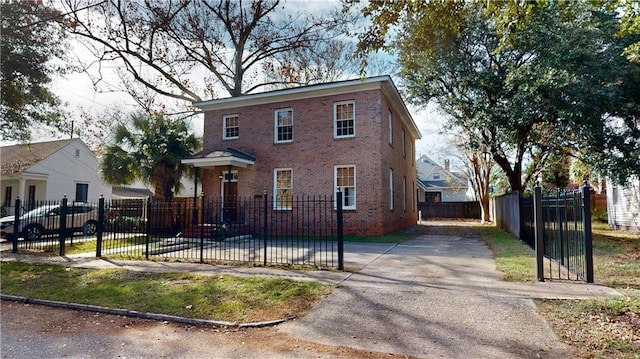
{"x":563,"y":236}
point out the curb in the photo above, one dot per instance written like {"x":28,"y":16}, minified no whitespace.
{"x":142,"y":315}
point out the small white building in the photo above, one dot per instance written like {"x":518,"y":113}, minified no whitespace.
{"x":438,"y":183}
{"x":623,"y":205}
{"x":48,"y":171}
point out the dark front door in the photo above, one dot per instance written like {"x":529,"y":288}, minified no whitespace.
{"x":230,"y":210}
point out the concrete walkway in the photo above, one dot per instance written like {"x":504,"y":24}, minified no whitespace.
{"x":435,"y":296}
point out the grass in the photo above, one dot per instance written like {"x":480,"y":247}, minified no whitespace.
{"x":226,"y":298}
{"x":599,"y":328}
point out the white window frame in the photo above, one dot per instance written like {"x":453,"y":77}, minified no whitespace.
{"x":391,"y":194}
{"x":404,"y":143}
{"x":404,"y":193}
{"x":390,"y":128}
{"x":277,"y":125}
{"x":335,"y":118}
{"x":276,"y":202}
{"x":349,"y":193}
{"x":225,"y":127}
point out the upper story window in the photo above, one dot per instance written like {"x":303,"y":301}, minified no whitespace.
{"x":390,"y":128}
{"x":404,"y":144}
{"x":436,"y":175}
{"x":344,"y":119}
{"x":345,"y":182}
{"x":283,"y":188}
{"x":284,"y":125}
{"x":230,"y":127}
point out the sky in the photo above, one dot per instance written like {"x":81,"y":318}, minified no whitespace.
{"x":77,"y":91}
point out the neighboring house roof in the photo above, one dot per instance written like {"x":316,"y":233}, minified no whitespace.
{"x":126,"y":192}
{"x":18,"y":158}
{"x":448,"y":179}
{"x":384,"y":83}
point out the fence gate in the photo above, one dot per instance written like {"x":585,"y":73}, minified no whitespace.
{"x":563,"y":237}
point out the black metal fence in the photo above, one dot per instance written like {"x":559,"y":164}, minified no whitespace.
{"x":560,"y":233}
{"x":300,"y":231}
{"x":563,"y":234}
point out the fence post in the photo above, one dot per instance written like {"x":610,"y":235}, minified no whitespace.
{"x":146,"y":242}
{"x":201,"y":199}
{"x":539,"y":230}
{"x":100,"y":226}
{"x":340,"y":219}
{"x":63,"y":224}
{"x":588,"y":236}
{"x":265,"y":228}
{"x":16,"y":225}
{"x":559,"y":223}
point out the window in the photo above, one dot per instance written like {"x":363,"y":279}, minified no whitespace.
{"x":230,"y":127}
{"x":344,"y":119}
{"x":391,"y":196}
{"x":404,"y":193}
{"x":284,"y":126}
{"x":31,"y":198}
{"x":436,"y":175}
{"x":345,"y":182}
{"x":82,"y":190}
{"x":283,"y":188}
{"x":390,"y":128}
{"x":7,"y":197}
{"x":77,"y":152}
{"x":404,"y":144}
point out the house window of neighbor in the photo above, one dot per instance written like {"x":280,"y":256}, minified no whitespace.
{"x":284,"y":125}
{"x":77,"y":152}
{"x":391,"y":196}
{"x":345,"y":182}
{"x":390,"y":128}
{"x":7,"y":196}
{"x":82,"y":191}
{"x":344,"y":119}
{"x":436,"y":175}
{"x":230,"y":127}
{"x":283,"y":188}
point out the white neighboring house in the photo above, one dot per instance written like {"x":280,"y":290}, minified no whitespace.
{"x":438,"y":183}
{"x":48,"y":171}
{"x":623,"y":205}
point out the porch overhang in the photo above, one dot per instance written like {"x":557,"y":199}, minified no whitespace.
{"x":226,"y":157}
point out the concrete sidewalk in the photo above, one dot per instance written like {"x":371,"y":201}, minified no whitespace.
{"x":435,"y":296}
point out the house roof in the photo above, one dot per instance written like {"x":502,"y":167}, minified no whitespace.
{"x":385,"y":83}
{"x":128,"y":192}
{"x":228,"y":156}
{"x":18,"y":158}
{"x":449,"y":179}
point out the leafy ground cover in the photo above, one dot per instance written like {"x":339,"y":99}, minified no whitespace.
{"x":225,"y":298}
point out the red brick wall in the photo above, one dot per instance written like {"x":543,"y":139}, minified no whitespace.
{"x":314,"y":152}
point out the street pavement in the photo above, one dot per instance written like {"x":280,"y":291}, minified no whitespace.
{"x":433,"y":297}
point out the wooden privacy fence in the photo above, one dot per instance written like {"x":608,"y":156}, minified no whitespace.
{"x":449,"y":210}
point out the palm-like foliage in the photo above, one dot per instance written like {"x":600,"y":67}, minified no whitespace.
{"x":149,"y":150}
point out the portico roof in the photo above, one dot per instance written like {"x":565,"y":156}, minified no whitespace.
{"x":227,"y":157}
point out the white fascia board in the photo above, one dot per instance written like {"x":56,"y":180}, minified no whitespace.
{"x":220,"y":161}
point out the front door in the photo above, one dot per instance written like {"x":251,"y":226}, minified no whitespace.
{"x":230,"y":198}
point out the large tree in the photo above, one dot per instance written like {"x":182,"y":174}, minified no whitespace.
{"x":558,"y":82}
{"x":149,"y":148}
{"x":191,"y":50}
{"x":31,"y":41}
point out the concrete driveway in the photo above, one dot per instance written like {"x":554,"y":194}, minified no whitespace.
{"x":436,"y":296}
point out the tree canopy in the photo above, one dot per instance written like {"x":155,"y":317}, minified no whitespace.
{"x":149,"y":149}
{"x":188,"y":50}
{"x":30,"y":43}
{"x":557,"y":84}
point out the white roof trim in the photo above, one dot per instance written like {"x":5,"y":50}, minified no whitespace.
{"x":218,"y":161}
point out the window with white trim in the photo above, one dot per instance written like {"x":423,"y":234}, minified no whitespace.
{"x":283,"y":188}
{"x":345,"y":182}
{"x":283,"y":125}
{"x":230,"y":127}
{"x":404,"y":144}
{"x":344,"y":119}
{"x":390,"y":128}
{"x":391,"y":195}
{"x":404,"y":193}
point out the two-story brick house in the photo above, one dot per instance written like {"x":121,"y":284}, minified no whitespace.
{"x":356,"y":136}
